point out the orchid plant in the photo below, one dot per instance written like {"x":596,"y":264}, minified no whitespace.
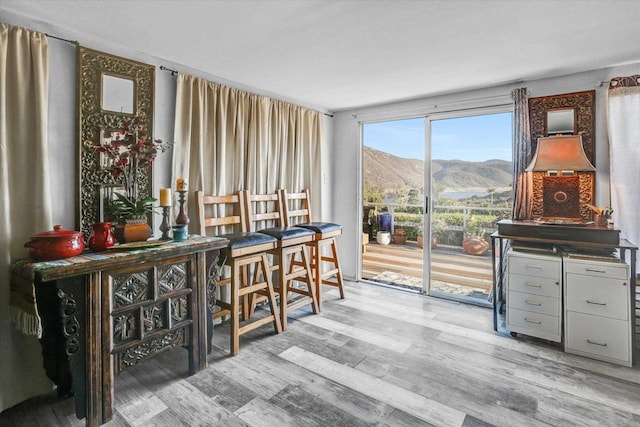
{"x":128,"y":151}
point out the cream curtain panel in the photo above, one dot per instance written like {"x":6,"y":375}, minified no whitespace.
{"x":623,"y":116}
{"x":523,"y":181}
{"x":229,"y":140}
{"x":25,"y":205}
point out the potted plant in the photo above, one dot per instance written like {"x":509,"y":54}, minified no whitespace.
{"x":127,"y":151}
{"x":474,"y":242}
{"x":399,"y":236}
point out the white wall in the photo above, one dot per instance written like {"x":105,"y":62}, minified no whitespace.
{"x":346,"y":158}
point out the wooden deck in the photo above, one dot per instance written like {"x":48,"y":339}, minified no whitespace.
{"x":448,"y":265}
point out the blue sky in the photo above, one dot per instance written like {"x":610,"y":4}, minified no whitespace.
{"x":474,"y":138}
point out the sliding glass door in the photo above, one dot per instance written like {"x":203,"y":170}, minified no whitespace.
{"x":393,"y":202}
{"x":464,"y":161}
{"x":470,"y":176}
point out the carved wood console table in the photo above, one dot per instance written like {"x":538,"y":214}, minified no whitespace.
{"x":103,"y":312}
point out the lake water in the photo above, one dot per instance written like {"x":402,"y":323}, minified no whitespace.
{"x":457,"y":195}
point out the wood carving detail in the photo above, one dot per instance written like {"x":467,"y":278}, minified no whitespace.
{"x":214,"y":271}
{"x":585,"y":194}
{"x":70,"y":324}
{"x":93,"y":120}
{"x":146,"y":350}
{"x":153,"y":318}
{"x":172,"y":278}
{"x":129,"y":289}
{"x":124,"y":328}
{"x":180,"y":309}
{"x":584,"y":105}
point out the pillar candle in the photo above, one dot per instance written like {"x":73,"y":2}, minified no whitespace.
{"x":181,"y":184}
{"x":165,"y":197}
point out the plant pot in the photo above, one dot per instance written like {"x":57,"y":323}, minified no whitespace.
{"x":385,"y":222}
{"x":383,"y":237}
{"x":133,"y":230}
{"x":475,"y":246}
{"x":399,"y":239}
{"x":420,"y":241}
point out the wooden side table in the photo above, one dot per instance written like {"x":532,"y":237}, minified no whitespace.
{"x":103,"y":312}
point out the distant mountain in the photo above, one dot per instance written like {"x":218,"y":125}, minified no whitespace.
{"x":387,"y":171}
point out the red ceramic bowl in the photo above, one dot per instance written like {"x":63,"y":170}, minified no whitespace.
{"x":56,"y":244}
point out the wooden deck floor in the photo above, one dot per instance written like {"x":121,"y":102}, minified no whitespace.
{"x":448,"y":265}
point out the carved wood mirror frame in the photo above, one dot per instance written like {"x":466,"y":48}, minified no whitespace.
{"x":95,"y":182}
{"x":583,"y":103}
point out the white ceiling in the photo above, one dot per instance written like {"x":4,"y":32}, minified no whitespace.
{"x":336,"y":55}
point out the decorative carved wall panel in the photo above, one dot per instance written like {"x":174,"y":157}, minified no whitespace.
{"x":584,"y":104}
{"x":96,"y":118}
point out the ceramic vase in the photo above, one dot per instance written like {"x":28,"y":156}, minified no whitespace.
{"x":101,"y":237}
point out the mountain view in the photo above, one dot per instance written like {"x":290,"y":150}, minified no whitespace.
{"x":390,"y":173}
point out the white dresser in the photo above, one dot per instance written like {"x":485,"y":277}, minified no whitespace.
{"x":534,"y":291}
{"x":598,"y":320}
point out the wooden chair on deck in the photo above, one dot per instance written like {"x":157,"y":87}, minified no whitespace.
{"x":297,"y":212}
{"x":245,"y":250}
{"x":261,"y":213}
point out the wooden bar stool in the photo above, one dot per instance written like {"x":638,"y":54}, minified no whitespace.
{"x":326,"y":267}
{"x":245,"y":251}
{"x":261,"y":213}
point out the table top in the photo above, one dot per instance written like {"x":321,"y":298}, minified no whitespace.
{"x":88,"y":261}
{"x":623,"y":244}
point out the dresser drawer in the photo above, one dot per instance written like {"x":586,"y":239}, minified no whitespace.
{"x":598,"y":336}
{"x":534,"y":324}
{"x":534,"y":303}
{"x":598,"y":296}
{"x":610,"y":270}
{"x":535,"y":285}
{"x":535,"y":265}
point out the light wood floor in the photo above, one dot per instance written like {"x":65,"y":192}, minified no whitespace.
{"x":380,"y":357}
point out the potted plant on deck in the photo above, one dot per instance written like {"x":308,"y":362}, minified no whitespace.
{"x":474,"y":242}
{"x":127,"y":151}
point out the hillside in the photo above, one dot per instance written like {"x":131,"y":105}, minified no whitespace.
{"x":389,"y":172}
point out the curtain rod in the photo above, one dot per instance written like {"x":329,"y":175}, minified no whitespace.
{"x":64,"y":40}
{"x":173,"y":72}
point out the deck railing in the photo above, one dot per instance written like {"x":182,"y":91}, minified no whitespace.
{"x":398,"y":210}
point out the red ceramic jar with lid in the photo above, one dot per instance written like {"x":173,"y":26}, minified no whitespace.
{"x":56,"y":244}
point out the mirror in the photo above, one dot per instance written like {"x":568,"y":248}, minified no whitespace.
{"x":110,"y":89}
{"x":561,"y":121}
{"x":117,"y":94}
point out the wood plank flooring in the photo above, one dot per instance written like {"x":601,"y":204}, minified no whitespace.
{"x":381,"y":357}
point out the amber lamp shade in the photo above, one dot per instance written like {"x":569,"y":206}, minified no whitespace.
{"x":560,"y":153}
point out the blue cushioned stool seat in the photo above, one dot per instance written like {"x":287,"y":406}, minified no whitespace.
{"x":321,"y":227}
{"x":285,"y":233}
{"x":243,"y":239}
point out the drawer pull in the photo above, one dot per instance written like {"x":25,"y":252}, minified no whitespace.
{"x":601,"y":344}
{"x":534,"y":267}
{"x":593,"y":270}
{"x":537,"y":322}
{"x":596,"y":302}
{"x":533,"y":285}
{"x":537,"y":304}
